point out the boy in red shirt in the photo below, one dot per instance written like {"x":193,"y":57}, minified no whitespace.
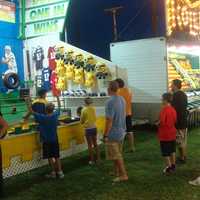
{"x":167,"y":133}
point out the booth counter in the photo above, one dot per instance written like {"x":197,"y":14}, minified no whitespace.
{"x":21,"y":153}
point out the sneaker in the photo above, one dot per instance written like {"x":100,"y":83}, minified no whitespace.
{"x":61,"y":175}
{"x":167,"y":170}
{"x":195,"y":182}
{"x":91,"y":162}
{"x":51,"y":175}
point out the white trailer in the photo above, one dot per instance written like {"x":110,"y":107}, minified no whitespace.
{"x":151,"y":64}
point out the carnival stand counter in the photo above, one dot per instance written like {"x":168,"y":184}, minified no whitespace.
{"x":21,"y":152}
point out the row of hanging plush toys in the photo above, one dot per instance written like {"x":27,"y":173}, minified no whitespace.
{"x":73,"y":67}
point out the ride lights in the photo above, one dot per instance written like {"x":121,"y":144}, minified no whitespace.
{"x":183,"y":15}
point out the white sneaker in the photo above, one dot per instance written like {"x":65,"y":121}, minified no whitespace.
{"x":61,"y":175}
{"x":195,"y":182}
{"x":91,"y":162}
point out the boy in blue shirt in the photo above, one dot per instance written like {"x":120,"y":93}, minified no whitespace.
{"x":48,"y":130}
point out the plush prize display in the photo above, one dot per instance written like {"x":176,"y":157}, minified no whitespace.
{"x":102,"y":71}
{"x":79,"y":69}
{"x":69,"y":65}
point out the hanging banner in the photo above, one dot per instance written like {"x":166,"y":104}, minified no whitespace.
{"x":7,"y":11}
{"x":46,"y":12}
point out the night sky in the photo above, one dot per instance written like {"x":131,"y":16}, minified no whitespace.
{"x":90,"y":28}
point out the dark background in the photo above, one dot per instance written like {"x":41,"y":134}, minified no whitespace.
{"x":90,"y":28}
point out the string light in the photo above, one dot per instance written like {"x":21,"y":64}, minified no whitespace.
{"x":184,"y":15}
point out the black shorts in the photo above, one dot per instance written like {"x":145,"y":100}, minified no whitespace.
{"x":90,"y":132}
{"x":129,"y":127}
{"x":51,"y":150}
{"x":167,"y":147}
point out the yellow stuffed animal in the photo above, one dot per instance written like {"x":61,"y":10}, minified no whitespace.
{"x":102,"y":71}
{"x":79,"y":76}
{"x":60,"y":68}
{"x":79,"y":71}
{"x":69,"y":65}
{"x":89,"y":68}
{"x":61,"y":84}
{"x":90,"y":79}
{"x":69,"y":72}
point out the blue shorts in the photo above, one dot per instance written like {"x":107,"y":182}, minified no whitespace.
{"x":90,"y":132}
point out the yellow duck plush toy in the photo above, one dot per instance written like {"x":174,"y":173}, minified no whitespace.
{"x":90,"y":79}
{"x":61,"y":84}
{"x":69,"y":65}
{"x":102,"y":71}
{"x":79,"y":71}
{"x":60,"y":70}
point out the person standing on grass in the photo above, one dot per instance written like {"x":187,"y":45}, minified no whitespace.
{"x":88,"y":120}
{"x":48,"y":130}
{"x":127,"y":95}
{"x":180,"y":103}
{"x":115,"y":128}
{"x":167,"y":133}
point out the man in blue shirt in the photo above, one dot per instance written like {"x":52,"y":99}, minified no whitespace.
{"x":115,"y":129}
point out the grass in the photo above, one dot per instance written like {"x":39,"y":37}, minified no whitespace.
{"x":83,"y":182}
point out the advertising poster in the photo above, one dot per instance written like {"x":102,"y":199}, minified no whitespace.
{"x":11,"y":59}
{"x":7,"y":11}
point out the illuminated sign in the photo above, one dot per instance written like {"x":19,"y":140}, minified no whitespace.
{"x":45,"y":19}
{"x":183,"y":15}
{"x":7,"y":11}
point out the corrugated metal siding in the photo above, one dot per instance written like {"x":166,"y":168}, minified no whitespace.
{"x":146,"y":67}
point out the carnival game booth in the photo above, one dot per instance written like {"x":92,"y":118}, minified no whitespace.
{"x":75,"y":74}
{"x":152,"y":63}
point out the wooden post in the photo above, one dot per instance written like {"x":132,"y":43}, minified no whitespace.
{"x":114,"y":16}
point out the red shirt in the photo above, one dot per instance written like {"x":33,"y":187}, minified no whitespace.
{"x":52,"y":57}
{"x":167,"y":130}
{"x":54,"y":80}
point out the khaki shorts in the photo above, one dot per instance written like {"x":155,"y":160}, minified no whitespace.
{"x":181,"y":138}
{"x":114,"y":151}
